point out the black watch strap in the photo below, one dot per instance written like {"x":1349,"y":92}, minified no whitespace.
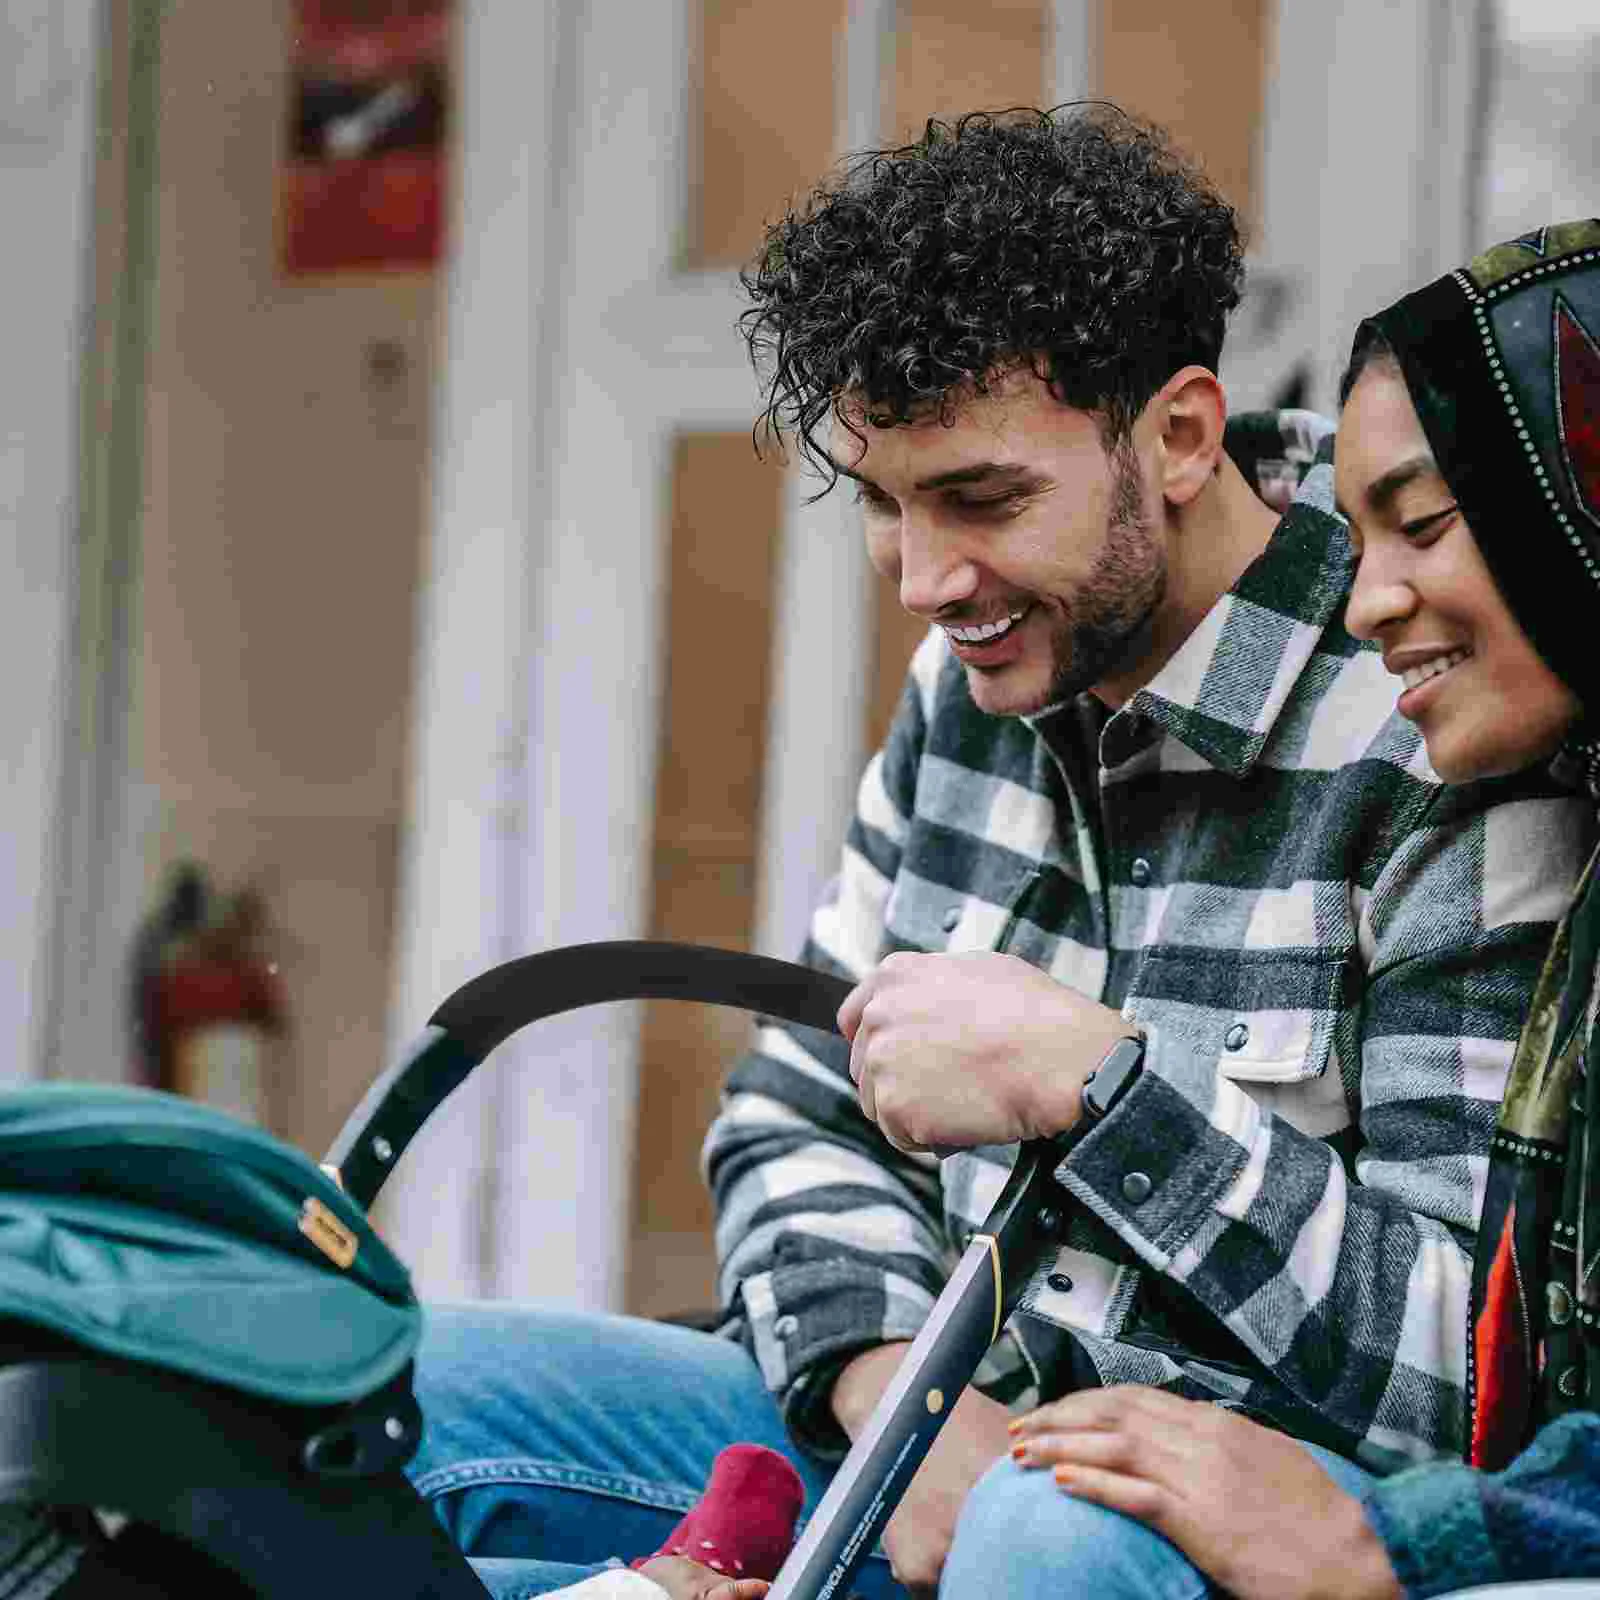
{"x":1112,"y":1079}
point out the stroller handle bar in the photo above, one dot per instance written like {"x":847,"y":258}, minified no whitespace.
{"x":488,"y":1010}
{"x":964,"y":1322}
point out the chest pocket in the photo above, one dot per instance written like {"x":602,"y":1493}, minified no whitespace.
{"x":1264,"y":1016}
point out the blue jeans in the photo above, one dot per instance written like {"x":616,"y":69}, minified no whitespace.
{"x":1020,"y":1536}
{"x":557,"y":1442}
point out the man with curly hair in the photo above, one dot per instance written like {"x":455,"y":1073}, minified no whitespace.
{"x":1142,"y":786}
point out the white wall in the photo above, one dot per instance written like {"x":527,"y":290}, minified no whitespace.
{"x":459,"y":898}
{"x":1544,"y":124}
{"x":1367,"y":178}
{"x":47,"y":52}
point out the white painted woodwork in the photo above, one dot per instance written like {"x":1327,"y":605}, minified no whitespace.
{"x":47,"y":104}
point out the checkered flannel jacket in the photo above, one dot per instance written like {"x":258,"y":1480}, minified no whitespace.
{"x":1331,"y":952}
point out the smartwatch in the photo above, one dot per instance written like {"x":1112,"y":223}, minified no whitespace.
{"x":1113,"y":1078}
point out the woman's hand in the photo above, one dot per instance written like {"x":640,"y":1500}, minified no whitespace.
{"x":688,"y":1580}
{"x":1247,"y":1505}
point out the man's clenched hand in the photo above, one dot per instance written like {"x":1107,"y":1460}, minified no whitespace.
{"x":950,"y":1051}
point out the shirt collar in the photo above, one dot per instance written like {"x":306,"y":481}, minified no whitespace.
{"x":1221,"y":694}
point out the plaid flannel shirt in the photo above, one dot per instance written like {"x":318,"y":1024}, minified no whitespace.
{"x":1331,"y":953}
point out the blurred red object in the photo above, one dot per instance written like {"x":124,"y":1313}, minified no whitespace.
{"x":363,"y":181}
{"x":210,"y":1000}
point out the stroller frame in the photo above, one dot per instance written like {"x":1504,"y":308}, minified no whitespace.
{"x":296,"y":1502}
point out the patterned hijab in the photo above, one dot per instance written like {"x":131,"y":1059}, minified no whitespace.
{"x":1502,"y":359}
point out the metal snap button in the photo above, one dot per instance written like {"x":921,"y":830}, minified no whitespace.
{"x":1136,"y":1188}
{"x":1060,"y":1282}
{"x":1237,"y":1037}
{"x":786,"y":1327}
{"x":1140,"y":872}
{"x":1558,"y":1303}
{"x":949,"y":920}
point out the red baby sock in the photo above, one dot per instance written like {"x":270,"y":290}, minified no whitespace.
{"x":743,"y":1524}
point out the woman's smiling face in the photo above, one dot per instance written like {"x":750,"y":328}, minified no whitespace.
{"x":1482,"y":696}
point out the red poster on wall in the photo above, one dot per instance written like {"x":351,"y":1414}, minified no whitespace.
{"x":363,"y":178}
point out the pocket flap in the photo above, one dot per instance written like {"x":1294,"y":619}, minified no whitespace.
{"x":1267,"y":1016}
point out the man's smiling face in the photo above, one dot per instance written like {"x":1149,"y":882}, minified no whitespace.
{"x":1010,"y":525}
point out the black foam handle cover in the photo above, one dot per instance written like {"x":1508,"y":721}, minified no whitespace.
{"x":488,"y":1010}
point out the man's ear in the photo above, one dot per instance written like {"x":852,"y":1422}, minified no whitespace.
{"x":1191,"y":410}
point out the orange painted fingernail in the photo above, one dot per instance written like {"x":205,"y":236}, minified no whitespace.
{"x":1019,"y":1451}
{"x":1014,"y":1425}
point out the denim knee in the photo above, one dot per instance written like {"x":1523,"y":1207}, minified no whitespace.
{"x":1021,"y":1536}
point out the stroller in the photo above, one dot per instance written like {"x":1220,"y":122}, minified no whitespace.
{"x":200,"y":1332}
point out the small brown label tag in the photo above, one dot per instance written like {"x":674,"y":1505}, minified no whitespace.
{"x":327,"y":1232}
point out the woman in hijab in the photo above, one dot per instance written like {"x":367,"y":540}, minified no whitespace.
{"x":1468,"y":468}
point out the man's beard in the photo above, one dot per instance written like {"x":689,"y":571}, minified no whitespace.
{"x":1099,"y":627}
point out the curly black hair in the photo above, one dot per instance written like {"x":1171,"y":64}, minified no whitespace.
{"x":1076,"y":241}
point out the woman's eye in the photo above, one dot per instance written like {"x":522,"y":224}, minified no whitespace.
{"x":1422,"y":530}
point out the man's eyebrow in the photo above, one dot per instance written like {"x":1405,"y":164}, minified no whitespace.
{"x":981,"y":472}
{"x":1381,"y":492}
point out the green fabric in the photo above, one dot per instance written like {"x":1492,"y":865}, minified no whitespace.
{"x":1447,"y":1527}
{"x":154,"y":1228}
{"x":1431,"y":1521}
